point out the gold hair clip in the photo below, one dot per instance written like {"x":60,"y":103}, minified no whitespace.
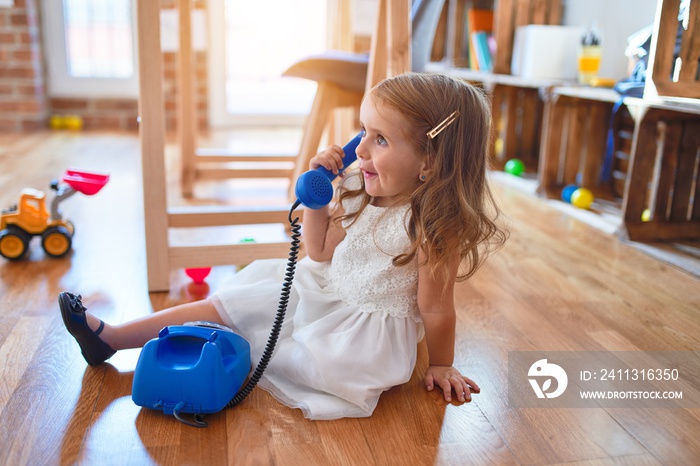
{"x":443,"y":124}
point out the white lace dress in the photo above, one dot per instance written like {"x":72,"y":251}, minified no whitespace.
{"x":352,"y":324}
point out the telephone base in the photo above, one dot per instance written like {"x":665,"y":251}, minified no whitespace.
{"x":193,"y":368}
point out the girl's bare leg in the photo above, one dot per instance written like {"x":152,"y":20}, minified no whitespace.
{"x":136,"y":333}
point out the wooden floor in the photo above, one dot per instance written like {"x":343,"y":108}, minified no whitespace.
{"x":557,"y":285}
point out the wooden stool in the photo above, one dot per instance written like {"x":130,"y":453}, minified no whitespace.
{"x":390,"y":51}
{"x":341,"y":78}
{"x":161,"y":255}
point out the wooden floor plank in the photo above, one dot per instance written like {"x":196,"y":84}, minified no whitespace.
{"x":659,"y":431}
{"x":636,"y":460}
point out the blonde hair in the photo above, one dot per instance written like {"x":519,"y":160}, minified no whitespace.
{"x":453,"y":211}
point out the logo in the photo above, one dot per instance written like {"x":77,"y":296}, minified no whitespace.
{"x":541,"y":369}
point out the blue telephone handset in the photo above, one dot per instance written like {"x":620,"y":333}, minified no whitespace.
{"x":314,"y":188}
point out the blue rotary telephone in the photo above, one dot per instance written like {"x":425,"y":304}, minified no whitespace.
{"x":200,"y":367}
{"x":191,"y":368}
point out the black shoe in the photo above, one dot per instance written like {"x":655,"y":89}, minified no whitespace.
{"x":95,"y":351}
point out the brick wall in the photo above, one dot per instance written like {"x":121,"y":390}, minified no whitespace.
{"x":25,"y":105}
{"x":170,"y":89}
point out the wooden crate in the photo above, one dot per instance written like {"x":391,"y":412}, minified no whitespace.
{"x":517,"y":122}
{"x":664,"y":176}
{"x":672,"y":75}
{"x":574,"y":142}
{"x":623,"y":130}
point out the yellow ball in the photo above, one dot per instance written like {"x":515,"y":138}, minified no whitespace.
{"x":73,"y":122}
{"x":498,"y":146}
{"x":646,"y":215}
{"x":582,"y":198}
{"x":56,"y":122}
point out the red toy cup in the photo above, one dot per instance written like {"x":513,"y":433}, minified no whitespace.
{"x":198,"y":274}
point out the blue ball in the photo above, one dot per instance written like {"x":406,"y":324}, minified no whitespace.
{"x":567,"y":192}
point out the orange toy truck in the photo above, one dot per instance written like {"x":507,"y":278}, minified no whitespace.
{"x":30,"y":217}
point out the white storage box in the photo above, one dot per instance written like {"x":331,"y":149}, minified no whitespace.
{"x":546,"y":51}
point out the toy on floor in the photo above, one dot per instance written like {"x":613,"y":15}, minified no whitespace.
{"x":247,"y":240}
{"x":515,"y":167}
{"x":198,"y":274}
{"x":582,"y":198}
{"x":71,"y":122}
{"x":21,"y":222}
{"x":567,"y":192}
{"x":197,"y":368}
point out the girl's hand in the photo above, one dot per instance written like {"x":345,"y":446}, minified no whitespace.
{"x":448,"y":378}
{"x":330,"y":159}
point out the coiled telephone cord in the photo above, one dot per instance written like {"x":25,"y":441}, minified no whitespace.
{"x":281,"y":311}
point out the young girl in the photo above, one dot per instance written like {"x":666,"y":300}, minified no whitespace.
{"x":414,"y":218}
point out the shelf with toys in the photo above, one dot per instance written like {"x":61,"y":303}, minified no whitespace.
{"x":639,"y":153}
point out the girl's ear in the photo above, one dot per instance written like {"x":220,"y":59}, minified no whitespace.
{"x":425,"y":172}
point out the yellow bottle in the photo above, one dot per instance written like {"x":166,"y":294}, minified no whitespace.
{"x":589,"y":63}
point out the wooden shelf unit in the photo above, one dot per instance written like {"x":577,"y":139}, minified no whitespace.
{"x":576,"y":128}
{"x":517,"y":104}
{"x":517,"y":108}
{"x":663,"y":174}
{"x":655,"y":157}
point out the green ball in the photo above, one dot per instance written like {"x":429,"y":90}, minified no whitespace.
{"x":515,"y":167}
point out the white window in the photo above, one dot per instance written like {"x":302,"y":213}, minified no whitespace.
{"x":251,"y":44}
{"x":91,"y":48}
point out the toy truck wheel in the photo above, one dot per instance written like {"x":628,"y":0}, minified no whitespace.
{"x":56,"y":241}
{"x":13,"y":243}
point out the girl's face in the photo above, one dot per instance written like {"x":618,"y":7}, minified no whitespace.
{"x":390,"y":166}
